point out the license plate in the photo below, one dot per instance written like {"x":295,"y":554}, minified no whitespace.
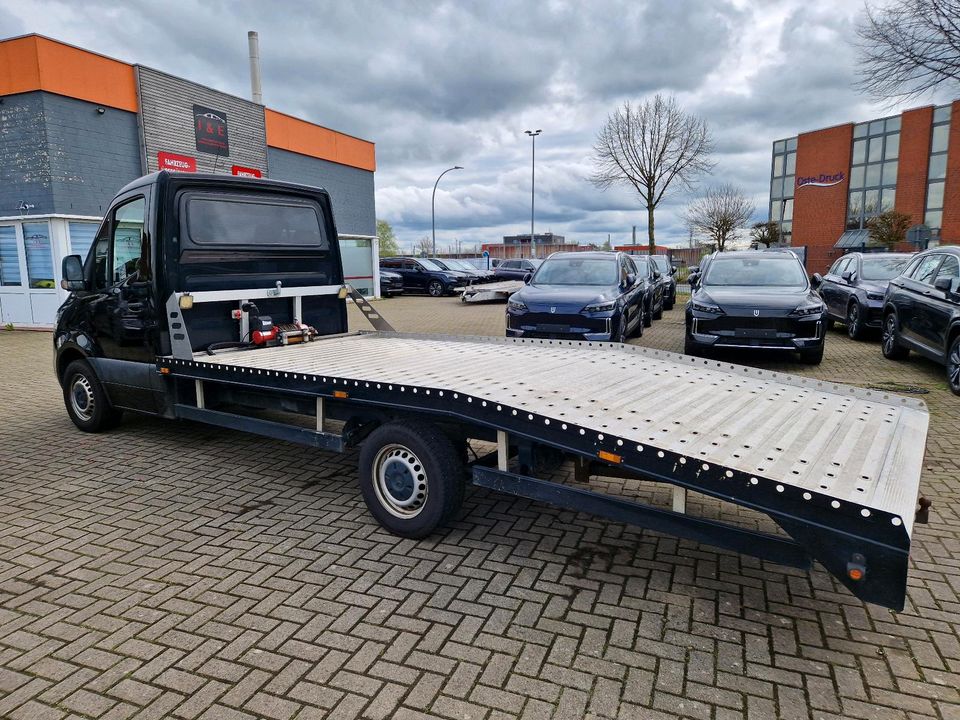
{"x":755,"y":333}
{"x":545,"y":327}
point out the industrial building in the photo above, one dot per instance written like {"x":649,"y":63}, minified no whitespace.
{"x":825,"y":185}
{"x":75,"y":126}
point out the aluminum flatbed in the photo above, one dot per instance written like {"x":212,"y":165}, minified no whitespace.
{"x":490,"y":291}
{"x":837,"y":467}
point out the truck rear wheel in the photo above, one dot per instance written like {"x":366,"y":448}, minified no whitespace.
{"x":411,"y":477}
{"x":86,"y":400}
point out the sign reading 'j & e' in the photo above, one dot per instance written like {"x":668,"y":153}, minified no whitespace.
{"x":821,"y":180}
{"x":210,"y":127}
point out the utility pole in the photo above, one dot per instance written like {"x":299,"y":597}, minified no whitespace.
{"x":533,"y":163}
{"x":433,"y":207}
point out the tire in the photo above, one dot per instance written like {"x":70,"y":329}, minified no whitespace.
{"x":435,"y":288}
{"x":813,"y":356}
{"x":691,"y":348}
{"x":890,"y":342}
{"x":828,"y":323}
{"x":854,"y":321}
{"x":953,"y":366}
{"x":648,"y":314}
{"x":411,"y":477}
{"x":668,"y":305}
{"x":86,"y":401}
{"x":622,"y":335}
{"x":658,"y":315}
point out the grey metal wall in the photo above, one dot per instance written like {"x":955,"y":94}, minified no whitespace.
{"x":351,"y":189}
{"x":62,"y":156}
{"x":166,"y":113}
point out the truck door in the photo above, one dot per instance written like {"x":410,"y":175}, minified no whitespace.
{"x":123,"y":308}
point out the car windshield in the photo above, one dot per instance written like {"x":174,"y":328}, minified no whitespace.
{"x":884,"y":268}
{"x":429,"y":264}
{"x":463,"y":265}
{"x":756,"y":271}
{"x":442,"y":264}
{"x":641,"y":263}
{"x":577,"y":271}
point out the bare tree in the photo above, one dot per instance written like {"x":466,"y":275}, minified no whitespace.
{"x":720,"y":214}
{"x":651,"y":148}
{"x":909,"y":47}
{"x":423,"y":247}
{"x":765,"y":233}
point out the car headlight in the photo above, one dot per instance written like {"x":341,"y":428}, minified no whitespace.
{"x":707,"y":308}
{"x":808,"y":309}
{"x":875,"y":296}
{"x":515,"y":304}
{"x":600,"y":307}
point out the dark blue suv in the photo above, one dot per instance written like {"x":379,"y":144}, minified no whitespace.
{"x":921,"y":311}
{"x":423,"y":275}
{"x":580,"y":296}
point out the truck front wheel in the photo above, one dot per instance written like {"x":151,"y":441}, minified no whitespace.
{"x":86,"y":400}
{"x":411,"y":478}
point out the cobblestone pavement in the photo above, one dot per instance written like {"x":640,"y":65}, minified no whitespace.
{"x":176,"y":570}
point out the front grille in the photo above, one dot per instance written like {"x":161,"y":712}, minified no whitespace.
{"x":759,"y":332}
{"x":561,"y":323}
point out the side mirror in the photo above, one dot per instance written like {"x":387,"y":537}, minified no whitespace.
{"x":631,"y":279}
{"x":693,"y":279}
{"x":656,"y":274}
{"x":847,"y":275}
{"x":527,"y":278}
{"x":72,"y":272}
{"x":673,"y":270}
{"x":693,"y":269}
{"x":816,"y":280}
{"x":944,"y":284}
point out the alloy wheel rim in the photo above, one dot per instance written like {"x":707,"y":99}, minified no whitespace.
{"x":436,"y":289}
{"x":953,"y":366}
{"x":400,"y":481}
{"x":889,"y":328}
{"x":853,"y":320}
{"x":82,"y":399}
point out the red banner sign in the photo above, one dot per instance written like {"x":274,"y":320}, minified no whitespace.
{"x":245,"y":171}
{"x":176,"y":163}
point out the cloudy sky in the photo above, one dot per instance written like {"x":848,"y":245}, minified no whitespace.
{"x":437,"y":84}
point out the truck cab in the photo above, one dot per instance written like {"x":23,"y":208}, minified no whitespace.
{"x":169,"y":233}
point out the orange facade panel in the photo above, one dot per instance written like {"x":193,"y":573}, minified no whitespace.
{"x":289,"y":133}
{"x":37,"y":63}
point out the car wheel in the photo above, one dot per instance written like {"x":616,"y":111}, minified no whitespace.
{"x":87,"y":403}
{"x":813,"y":356}
{"x":411,"y":477}
{"x":436,"y":289}
{"x":855,"y":321}
{"x":668,"y":305}
{"x":648,"y":314}
{"x":890,"y":342}
{"x":953,"y":366}
{"x":828,"y":323}
{"x":658,"y":315}
{"x":690,"y":347}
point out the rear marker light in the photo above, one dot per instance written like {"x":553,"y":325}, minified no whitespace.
{"x":610,"y":457}
{"x":857,"y":567}
{"x":340,"y":394}
{"x":164,"y":371}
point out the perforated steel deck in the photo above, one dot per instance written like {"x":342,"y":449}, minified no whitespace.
{"x":859,"y":447}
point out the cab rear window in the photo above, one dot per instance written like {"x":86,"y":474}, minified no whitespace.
{"x":252,"y":221}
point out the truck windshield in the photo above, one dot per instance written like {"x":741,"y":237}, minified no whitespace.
{"x":254,"y":221}
{"x":883,"y":268}
{"x":782,"y":271}
{"x":577,"y":271}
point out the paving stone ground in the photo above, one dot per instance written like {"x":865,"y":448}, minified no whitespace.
{"x":176,"y":570}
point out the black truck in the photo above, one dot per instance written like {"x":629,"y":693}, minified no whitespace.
{"x":221,"y":300}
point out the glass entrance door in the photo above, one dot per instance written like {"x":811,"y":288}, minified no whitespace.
{"x":40,"y":277}
{"x":14,"y":302}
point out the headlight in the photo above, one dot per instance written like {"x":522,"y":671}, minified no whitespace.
{"x":707,"y":308}
{"x":515,"y":304}
{"x":600,"y":307}
{"x":808,"y":309}
{"x":875,"y":296}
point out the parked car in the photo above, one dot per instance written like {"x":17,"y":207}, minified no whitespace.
{"x":921,"y":311}
{"x":854,"y":287}
{"x":421,"y":275}
{"x":652,"y":296}
{"x":579,"y":296}
{"x":467,"y":277}
{"x":695,"y":272}
{"x":484,"y":274}
{"x":516,"y":269}
{"x":391,"y":283}
{"x":755,"y":299}
{"x":667,"y":280}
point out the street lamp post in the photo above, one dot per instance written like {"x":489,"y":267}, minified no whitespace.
{"x":433,"y":207}
{"x":533,"y":160}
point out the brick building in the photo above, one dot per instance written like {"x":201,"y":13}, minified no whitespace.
{"x":827,"y":182}
{"x":76,"y":126}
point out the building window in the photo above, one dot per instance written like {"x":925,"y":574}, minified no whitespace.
{"x":782,"y":184}
{"x":873,"y":171}
{"x":937,"y":172}
{"x":81,"y":237}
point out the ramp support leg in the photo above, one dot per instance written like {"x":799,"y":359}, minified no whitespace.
{"x":320,"y":414}
{"x":679,"y":499}
{"x":199,"y":386}
{"x":503,"y":450}
{"x":581,"y":469}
